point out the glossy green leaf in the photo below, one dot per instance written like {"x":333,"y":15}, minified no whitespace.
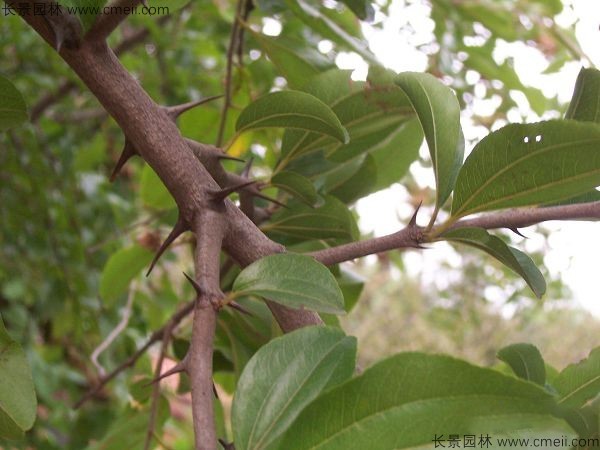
{"x":585,"y":104}
{"x":295,"y":69}
{"x":18,"y":404}
{"x":297,"y":185}
{"x":509,"y":256}
{"x":283,"y":377}
{"x":153,"y":192}
{"x":291,"y":109}
{"x":13,"y":110}
{"x":523,"y":165}
{"x":296,"y":281}
{"x":438,"y":111}
{"x":359,"y":185}
{"x":526,"y":362}
{"x":408,"y":399}
{"x":122,"y":267}
{"x":370,"y":112}
{"x":331,"y":220}
{"x":580,"y":382}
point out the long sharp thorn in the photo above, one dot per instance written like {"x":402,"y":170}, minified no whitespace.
{"x":126,"y":154}
{"x":230,"y":158}
{"x":215,"y":392}
{"x":246,"y":170}
{"x":413,"y":219}
{"x":516,"y":231}
{"x":177,"y":230}
{"x":175,"y":111}
{"x":194,"y":284}
{"x":269,"y":199}
{"x":221,"y":194}
{"x":240,"y":308}
{"x":225,"y":445}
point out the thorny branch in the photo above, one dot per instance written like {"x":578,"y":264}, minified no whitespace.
{"x":199,"y":191}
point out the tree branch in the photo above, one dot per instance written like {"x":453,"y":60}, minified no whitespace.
{"x":106,"y":23}
{"x":525,"y":217}
{"x":209,"y":230}
{"x":412,"y":236}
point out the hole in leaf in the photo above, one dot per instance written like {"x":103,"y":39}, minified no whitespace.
{"x":538,"y":138}
{"x":526,"y":139}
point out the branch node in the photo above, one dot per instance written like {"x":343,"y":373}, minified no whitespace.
{"x":225,"y":445}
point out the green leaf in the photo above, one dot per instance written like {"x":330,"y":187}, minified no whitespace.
{"x":371,"y":112}
{"x":291,"y":109}
{"x":526,"y":362}
{"x":314,"y":18}
{"x":406,"y":400}
{"x":523,"y":165}
{"x":129,"y":429}
{"x":332,"y":220}
{"x":122,"y":267}
{"x":438,"y":111}
{"x":585,"y":104}
{"x":295,"y":69}
{"x":509,"y":256}
{"x":296,"y":281}
{"x":18,"y":403}
{"x":153,"y":192}
{"x":283,"y":377}
{"x":297,"y":185}
{"x":13,"y":110}
{"x":362,"y":8}
{"x":580,"y":382}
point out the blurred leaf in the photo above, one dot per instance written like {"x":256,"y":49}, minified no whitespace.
{"x":129,"y":430}
{"x":297,"y":185}
{"x":122,"y":267}
{"x":439,"y":113}
{"x":283,"y":377}
{"x":362,"y":8}
{"x":311,"y":15}
{"x":291,"y":109}
{"x":153,"y":192}
{"x":420,"y":396}
{"x":522,"y":165}
{"x":494,"y":246}
{"x":332,"y":220}
{"x":295,"y":69}
{"x":526,"y":362}
{"x":394,"y":156}
{"x":13,"y":110}
{"x":579,"y":382}
{"x":296,"y":281}
{"x":585,"y":104}
{"x":18,"y":404}
{"x":492,"y":15}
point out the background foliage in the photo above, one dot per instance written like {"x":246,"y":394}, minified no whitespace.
{"x":74,"y":246}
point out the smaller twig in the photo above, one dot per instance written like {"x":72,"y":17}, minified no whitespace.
{"x":233,"y":40}
{"x":155,"y":337}
{"x":166,"y":337}
{"x":410,"y":236}
{"x":115,"y":332}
